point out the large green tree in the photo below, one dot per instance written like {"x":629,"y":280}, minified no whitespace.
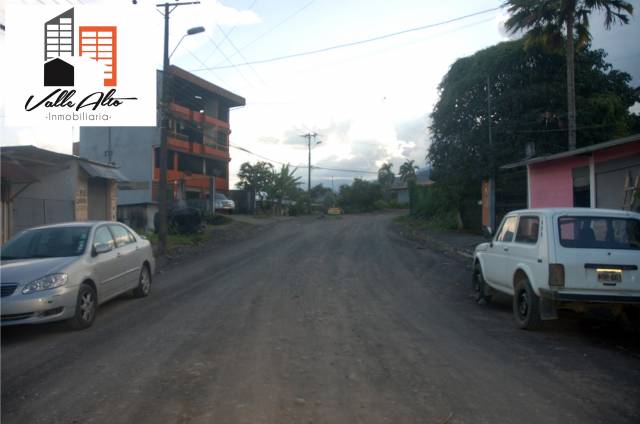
{"x":558,"y":22}
{"x":255,"y":178}
{"x":360,"y":196}
{"x":527,"y":106}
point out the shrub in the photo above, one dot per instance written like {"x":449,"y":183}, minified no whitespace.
{"x":216,"y":219}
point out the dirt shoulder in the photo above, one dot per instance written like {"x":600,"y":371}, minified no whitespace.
{"x":214,"y":238}
{"x":457,"y":244}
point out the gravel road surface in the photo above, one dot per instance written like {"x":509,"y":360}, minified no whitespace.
{"x":335,"y":320}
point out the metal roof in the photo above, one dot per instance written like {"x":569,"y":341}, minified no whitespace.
{"x":575,"y":152}
{"x":101,"y":171}
{"x":19,"y":158}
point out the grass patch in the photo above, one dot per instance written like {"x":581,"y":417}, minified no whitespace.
{"x":217,"y":219}
{"x":175,"y":240}
{"x":436,"y":223}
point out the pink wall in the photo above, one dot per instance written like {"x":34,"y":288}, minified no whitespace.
{"x":551,"y":183}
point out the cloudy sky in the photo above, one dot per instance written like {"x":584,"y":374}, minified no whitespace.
{"x":369,"y":103}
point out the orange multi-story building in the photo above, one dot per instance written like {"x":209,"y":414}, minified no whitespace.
{"x":198,"y":145}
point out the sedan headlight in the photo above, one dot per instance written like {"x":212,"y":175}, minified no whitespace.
{"x":45,"y":283}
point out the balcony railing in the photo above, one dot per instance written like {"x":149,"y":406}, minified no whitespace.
{"x":196,"y":116}
{"x":204,"y":141}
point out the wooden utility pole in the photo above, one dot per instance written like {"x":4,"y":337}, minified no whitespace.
{"x":164,"y":126}
{"x":492,"y":182}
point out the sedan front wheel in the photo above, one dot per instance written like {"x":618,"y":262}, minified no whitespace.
{"x":86,"y":308}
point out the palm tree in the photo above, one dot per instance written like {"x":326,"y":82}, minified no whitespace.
{"x":545,"y":21}
{"x":386,"y":175}
{"x":408,"y":170}
{"x":283,"y":184}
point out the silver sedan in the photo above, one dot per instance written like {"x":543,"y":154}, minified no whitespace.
{"x":64,"y":271}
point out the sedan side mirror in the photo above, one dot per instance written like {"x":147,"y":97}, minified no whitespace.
{"x":99,"y":248}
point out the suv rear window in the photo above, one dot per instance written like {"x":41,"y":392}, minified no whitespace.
{"x":596,"y":232}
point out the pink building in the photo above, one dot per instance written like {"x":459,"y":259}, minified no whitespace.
{"x":604,"y":175}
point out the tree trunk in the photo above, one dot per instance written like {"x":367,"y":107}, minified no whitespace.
{"x":571,"y":86}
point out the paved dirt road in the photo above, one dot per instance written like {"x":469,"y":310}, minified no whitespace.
{"x":323,"y":321}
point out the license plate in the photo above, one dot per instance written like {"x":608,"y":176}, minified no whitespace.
{"x":609,"y":277}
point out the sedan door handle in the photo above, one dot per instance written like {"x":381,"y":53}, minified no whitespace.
{"x":506,"y":249}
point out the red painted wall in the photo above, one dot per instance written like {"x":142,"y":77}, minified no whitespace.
{"x":551,"y":183}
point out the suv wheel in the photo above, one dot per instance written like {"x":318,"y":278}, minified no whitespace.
{"x":86,"y":307}
{"x":480,"y":290}
{"x":526,"y":306}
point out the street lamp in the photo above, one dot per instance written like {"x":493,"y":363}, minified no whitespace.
{"x":190,"y":31}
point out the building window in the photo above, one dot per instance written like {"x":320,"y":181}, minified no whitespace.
{"x":188,"y":163}
{"x":156,"y":158}
{"x":216,"y":168}
{"x":581,"y":188}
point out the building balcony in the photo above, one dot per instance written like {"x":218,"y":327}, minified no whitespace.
{"x":181,"y":143}
{"x":195,"y":116}
{"x":192,"y":180}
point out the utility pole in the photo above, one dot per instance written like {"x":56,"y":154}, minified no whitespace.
{"x":162,"y":186}
{"x":492,"y":182}
{"x":308,"y":137}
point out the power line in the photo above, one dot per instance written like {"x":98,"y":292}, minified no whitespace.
{"x":202,"y":63}
{"x":273,"y":28}
{"x":226,"y":36}
{"x":359,"y":42}
{"x":212,"y":41}
{"x":248,"y":8}
{"x":355,"y":171}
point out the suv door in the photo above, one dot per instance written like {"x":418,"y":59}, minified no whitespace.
{"x":525,"y":251}
{"x":105,"y":265}
{"x":494,"y":258}
{"x":126,"y":248}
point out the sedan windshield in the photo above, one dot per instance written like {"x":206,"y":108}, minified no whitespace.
{"x":50,"y":242}
{"x":599,"y":232}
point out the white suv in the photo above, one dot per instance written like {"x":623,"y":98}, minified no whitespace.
{"x":573,"y":258}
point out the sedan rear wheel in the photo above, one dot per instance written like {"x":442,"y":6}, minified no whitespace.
{"x":144,"y":282}
{"x":86,"y":308}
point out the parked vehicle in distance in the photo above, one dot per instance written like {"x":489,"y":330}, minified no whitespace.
{"x":224,"y":204}
{"x":64,"y":271}
{"x":550,"y":259}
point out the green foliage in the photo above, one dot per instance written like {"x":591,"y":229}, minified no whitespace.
{"x":360,"y":196}
{"x":547,"y":21}
{"x":323,"y":195}
{"x":282,"y":185}
{"x":255,"y":178}
{"x":386,"y":175}
{"x":408,"y":171}
{"x":528,"y":91}
{"x":217,"y":219}
{"x":302,"y":204}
